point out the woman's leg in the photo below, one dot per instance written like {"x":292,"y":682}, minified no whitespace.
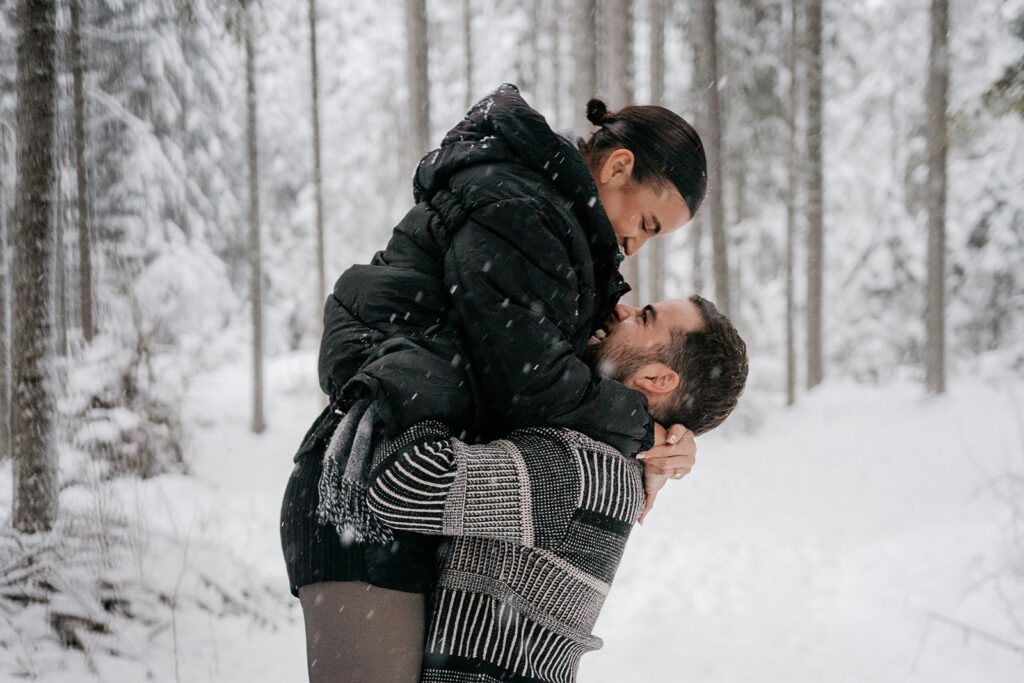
{"x":357,"y":632}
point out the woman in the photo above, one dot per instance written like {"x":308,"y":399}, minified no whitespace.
{"x":475,"y":315}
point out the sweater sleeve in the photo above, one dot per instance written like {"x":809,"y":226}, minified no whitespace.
{"x":516,"y":292}
{"x":446,"y":487}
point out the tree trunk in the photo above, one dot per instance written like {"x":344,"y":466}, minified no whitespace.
{"x":5,"y":346}
{"x":559,"y":68}
{"x":81,"y":173}
{"x":417,"y":78}
{"x":657,"y":64}
{"x":527,"y":51}
{"x":697,"y":230}
{"x":33,"y":401}
{"x":815,"y":205}
{"x":619,"y":88}
{"x":60,"y":266}
{"x":467,"y":49}
{"x":321,"y":279}
{"x":938,"y":87}
{"x":713,"y":138}
{"x":584,"y":51}
{"x":791,"y":207}
{"x":255,"y":259}
{"x":618,"y":54}
{"x":697,"y":224}
{"x":554,"y":24}
{"x":655,"y":251}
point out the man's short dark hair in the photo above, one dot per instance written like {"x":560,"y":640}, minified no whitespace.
{"x":712,"y":366}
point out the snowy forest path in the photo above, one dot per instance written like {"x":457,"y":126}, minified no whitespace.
{"x":824,"y":546}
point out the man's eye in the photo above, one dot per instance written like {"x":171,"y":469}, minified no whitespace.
{"x":643,"y":224}
{"x":643,"y":316}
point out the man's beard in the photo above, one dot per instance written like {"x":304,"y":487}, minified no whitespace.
{"x":615,"y":361}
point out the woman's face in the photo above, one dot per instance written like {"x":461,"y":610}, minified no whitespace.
{"x":637,"y":212}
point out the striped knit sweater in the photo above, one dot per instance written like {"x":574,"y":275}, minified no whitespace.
{"x":537,"y":524}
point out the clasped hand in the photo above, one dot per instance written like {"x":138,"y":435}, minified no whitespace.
{"x":672,"y":457}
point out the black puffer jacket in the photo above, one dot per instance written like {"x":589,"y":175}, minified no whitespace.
{"x":477,"y":310}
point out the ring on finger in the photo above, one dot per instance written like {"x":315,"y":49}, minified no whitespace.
{"x":678,"y":475}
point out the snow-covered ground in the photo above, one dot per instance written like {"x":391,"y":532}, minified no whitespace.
{"x":832,"y":545}
{"x":844,"y":540}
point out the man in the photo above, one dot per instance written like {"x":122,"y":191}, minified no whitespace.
{"x":537,"y":522}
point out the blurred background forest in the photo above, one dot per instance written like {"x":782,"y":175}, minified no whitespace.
{"x":184,"y":179}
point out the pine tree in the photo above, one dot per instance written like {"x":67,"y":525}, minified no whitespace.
{"x":656,"y":248}
{"x":60,"y":256}
{"x":584,"y":52}
{"x":467,"y":50}
{"x":619,"y":88}
{"x":5,"y":307}
{"x":792,"y":157}
{"x":713,"y":138}
{"x":938,"y":87}
{"x":417,"y":79}
{"x":697,"y":225}
{"x":528,"y":50}
{"x":81,"y":172}
{"x":321,"y":281}
{"x":255,"y":243}
{"x":557,"y":32}
{"x":815,"y":202}
{"x":33,"y":393}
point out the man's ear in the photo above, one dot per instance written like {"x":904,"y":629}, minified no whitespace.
{"x":656,"y":380}
{"x":617,"y":167}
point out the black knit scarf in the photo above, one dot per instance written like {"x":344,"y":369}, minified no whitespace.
{"x":344,"y":485}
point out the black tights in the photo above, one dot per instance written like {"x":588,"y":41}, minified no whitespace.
{"x":357,"y":633}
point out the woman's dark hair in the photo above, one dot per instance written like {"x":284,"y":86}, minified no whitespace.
{"x":665,"y":147}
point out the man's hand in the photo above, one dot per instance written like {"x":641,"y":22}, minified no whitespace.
{"x":673,"y":456}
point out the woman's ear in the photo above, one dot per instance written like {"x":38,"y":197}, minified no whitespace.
{"x":617,"y":167}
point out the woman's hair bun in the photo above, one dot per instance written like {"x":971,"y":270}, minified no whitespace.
{"x":597,"y":111}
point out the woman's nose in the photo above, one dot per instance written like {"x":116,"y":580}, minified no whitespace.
{"x":633,"y":244}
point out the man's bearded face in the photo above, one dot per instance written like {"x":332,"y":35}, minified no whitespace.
{"x":613,"y":359}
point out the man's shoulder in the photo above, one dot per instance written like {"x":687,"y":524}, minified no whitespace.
{"x":570,"y":439}
{"x":611,"y":492}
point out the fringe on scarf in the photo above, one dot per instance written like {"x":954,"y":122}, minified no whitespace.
{"x":344,"y":486}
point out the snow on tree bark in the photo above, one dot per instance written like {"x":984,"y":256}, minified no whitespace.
{"x":33,"y":435}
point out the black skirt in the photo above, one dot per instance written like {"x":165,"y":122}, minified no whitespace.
{"x":314,"y":553}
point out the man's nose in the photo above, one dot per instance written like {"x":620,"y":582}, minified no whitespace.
{"x":623,"y":311}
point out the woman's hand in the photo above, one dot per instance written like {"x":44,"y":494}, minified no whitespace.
{"x":673,"y":456}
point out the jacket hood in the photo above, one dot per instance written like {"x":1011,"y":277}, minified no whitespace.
{"x":502,"y":127}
